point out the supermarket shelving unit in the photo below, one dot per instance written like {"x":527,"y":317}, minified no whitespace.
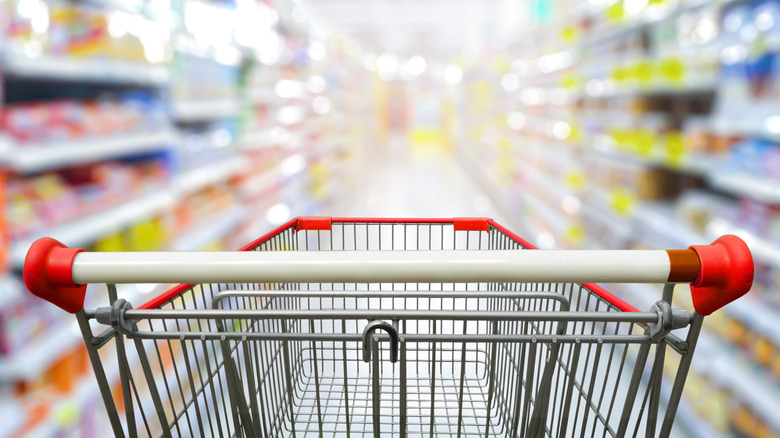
{"x":567,"y":100}
{"x":262,"y":163}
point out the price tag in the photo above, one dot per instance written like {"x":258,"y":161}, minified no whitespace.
{"x":616,"y":12}
{"x":67,"y":414}
{"x":111,"y":243}
{"x":622,"y":201}
{"x":575,"y":134}
{"x":673,"y":69}
{"x":144,"y":236}
{"x":644,"y":143}
{"x":620,"y":74}
{"x":574,"y":181}
{"x":318,"y":170}
{"x":571,"y":82}
{"x":570,"y":34}
{"x":675,"y":149}
{"x":643,"y":72}
{"x":619,"y":136}
{"x":575,"y":234}
{"x":622,"y":139}
{"x":502,"y":64}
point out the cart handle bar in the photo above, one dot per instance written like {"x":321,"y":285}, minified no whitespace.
{"x":719,"y":273}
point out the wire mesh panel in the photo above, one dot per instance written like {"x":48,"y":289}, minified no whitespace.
{"x":388,"y":359}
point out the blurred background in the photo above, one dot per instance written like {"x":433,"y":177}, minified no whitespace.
{"x":145,"y":125}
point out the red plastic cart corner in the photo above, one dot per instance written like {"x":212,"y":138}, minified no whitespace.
{"x":48,"y":274}
{"x":726,"y":273}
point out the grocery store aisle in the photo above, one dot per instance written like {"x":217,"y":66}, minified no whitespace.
{"x":408,"y":180}
{"x":405,"y":181}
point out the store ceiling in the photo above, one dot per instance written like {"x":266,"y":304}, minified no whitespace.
{"x":440,"y":28}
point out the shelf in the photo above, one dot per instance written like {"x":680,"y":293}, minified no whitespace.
{"x":6,"y":147}
{"x":210,"y":229}
{"x":37,"y":356}
{"x":199,"y":178}
{"x":83,"y":231}
{"x":82,"y":70}
{"x":698,"y":85}
{"x":707,"y":84}
{"x":751,"y":124}
{"x":202,"y":110}
{"x":39,"y":157}
{"x":692,"y":163}
{"x":743,"y":184}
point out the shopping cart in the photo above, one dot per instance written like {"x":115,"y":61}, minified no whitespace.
{"x":360,"y":327}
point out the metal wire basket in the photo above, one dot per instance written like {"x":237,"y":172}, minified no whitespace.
{"x":361,"y":327}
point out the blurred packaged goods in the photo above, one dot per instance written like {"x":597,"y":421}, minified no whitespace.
{"x":77,"y":30}
{"x":37,"y":203}
{"x":49,"y":122}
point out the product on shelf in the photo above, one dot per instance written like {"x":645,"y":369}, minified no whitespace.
{"x":78,"y":30}
{"x":700,"y":137}
{"x":44,"y":201}
{"x":202,"y":208}
{"x":745,"y":423}
{"x":757,"y":158}
{"x":49,"y":122}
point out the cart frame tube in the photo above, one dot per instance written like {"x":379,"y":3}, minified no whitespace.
{"x":582,"y":266}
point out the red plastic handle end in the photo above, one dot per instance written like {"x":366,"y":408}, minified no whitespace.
{"x":48,"y":274}
{"x":726,"y":273}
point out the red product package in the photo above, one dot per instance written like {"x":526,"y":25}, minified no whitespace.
{"x":26,"y":123}
{"x":66,"y":120}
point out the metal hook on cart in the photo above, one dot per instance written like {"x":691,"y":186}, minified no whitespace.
{"x":369,"y":330}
